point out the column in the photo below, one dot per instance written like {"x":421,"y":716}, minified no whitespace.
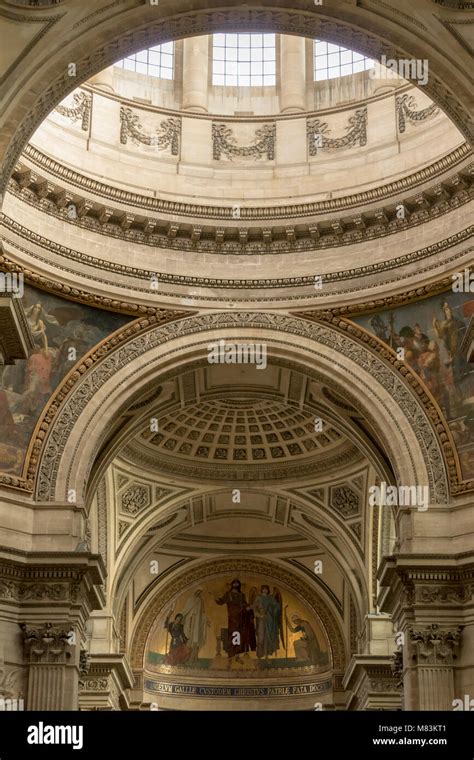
{"x":54,"y":597}
{"x":433,"y":650}
{"x":104,"y":79}
{"x":195,"y":73}
{"x":53,"y":660}
{"x":292,"y":74}
{"x":434,"y":654}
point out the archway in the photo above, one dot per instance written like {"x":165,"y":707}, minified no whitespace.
{"x":74,"y":438}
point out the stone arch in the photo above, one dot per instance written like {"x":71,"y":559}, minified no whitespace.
{"x":72,"y":436}
{"x":135,"y":551}
{"x":98,"y":46}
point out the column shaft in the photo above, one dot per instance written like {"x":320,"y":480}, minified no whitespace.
{"x":292,"y":74}
{"x":195,"y":73}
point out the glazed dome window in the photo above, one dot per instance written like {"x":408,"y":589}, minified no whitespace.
{"x":157,"y":61}
{"x":332,"y":61}
{"x":244,"y":60}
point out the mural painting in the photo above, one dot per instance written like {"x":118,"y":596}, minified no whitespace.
{"x":431,"y":332}
{"x":63,"y":332}
{"x":245,"y":623}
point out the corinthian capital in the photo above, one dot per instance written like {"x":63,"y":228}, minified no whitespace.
{"x":46,"y":644}
{"x":433,"y":645}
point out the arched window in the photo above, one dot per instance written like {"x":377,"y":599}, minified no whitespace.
{"x":332,"y":61}
{"x":157,"y":61}
{"x":244,"y":60}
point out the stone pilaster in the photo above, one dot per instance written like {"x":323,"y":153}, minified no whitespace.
{"x":51,"y":596}
{"x":51,"y":654}
{"x":195,"y":74}
{"x":292,"y":74}
{"x":432,"y":604}
{"x":434,"y":650}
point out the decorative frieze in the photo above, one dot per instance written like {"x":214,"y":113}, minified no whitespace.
{"x":54,"y":286}
{"x":158,"y":232}
{"x":406,"y":111}
{"x":167,"y":135}
{"x":356,"y":134}
{"x":456,"y":4}
{"x":225,"y":143}
{"x":107,"y":679}
{"x":81,"y":110}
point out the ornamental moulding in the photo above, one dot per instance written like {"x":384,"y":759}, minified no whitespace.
{"x":183,"y":280}
{"x":83,"y":296}
{"x":146,"y":459}
{"x":89,"y":87}
{"x":44,"y":196}
{"x":109,"y":192}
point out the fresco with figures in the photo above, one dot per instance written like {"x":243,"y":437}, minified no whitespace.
{"x":244,"y":623}
{"x":431,"y":332}
{"x":63,"y":332}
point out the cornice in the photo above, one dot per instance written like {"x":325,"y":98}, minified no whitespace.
{"x":455,"y":5}
{"x":231,"y":240}
{"x":207,"y":282}
{"x":57,"y":578}
{"x":389,"y":302}
{"x":81,"y":296}
{"x":232,"y":118}
{"x":247,"y":213}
